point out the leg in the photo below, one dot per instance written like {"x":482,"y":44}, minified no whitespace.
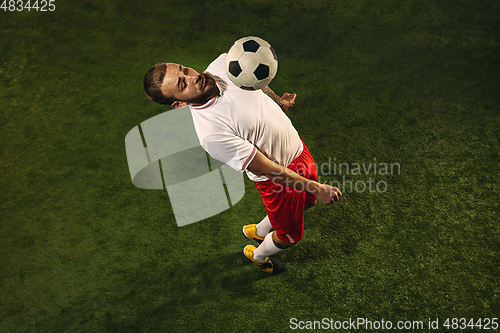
{"x":267,"y":248}
{"x":279,"y":243}
{"x":264,"y":227}
{"x":286,"y":209}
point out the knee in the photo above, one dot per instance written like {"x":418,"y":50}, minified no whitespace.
{"x":281,"y":244}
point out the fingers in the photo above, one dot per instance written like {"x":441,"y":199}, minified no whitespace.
{"x":335,"y":195}
{"x":288,"y":101}
{"x":328,"y":194}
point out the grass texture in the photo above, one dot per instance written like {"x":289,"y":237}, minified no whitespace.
{"x":409,"y":83}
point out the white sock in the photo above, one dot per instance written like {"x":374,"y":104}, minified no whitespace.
{"x":264,"y":226}
{"x":265,"y":249}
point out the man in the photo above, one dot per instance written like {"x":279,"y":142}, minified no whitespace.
{"x":250,"y":132}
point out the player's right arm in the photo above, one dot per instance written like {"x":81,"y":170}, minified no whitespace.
{"x":261,"y":165}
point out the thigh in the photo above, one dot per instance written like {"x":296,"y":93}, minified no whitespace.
{"x":285,"y":208}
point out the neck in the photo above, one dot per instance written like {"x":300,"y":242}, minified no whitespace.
{"x":221,"y":84}
{"x":208,"y":99}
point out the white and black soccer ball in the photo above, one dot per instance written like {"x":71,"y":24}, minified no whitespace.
{"x":251,"y":63}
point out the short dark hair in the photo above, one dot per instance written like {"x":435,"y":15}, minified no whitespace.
{"x":153,"y":81}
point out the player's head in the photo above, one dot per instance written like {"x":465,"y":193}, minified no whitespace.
{"x":176,"y":85}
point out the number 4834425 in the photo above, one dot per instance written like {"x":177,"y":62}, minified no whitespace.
{"x":20,"y":5}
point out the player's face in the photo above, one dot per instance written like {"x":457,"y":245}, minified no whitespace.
{"x":188,"y":85}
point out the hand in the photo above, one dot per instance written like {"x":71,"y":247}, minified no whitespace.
{"x":288,"y":101}
{"x":327,"y":194}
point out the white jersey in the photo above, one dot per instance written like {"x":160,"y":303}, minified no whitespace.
{"x":232,"y":127}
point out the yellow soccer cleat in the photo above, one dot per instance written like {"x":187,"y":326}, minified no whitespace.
{"x":250,"y":232}
{"x":270,"y":265}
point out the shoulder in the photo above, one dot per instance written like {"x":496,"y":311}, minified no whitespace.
{"x":218,"y":64}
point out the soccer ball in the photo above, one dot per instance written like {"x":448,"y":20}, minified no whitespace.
{"x":251,"y":63}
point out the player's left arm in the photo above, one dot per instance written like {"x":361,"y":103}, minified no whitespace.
{"x":285,"y":102}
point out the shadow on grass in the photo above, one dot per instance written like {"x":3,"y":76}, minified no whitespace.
{"x":332,"y":240}
{"x":172,"y":291}
{"x":305,"y":251}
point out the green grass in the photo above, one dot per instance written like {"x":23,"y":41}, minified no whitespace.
{"x":408,"y":82}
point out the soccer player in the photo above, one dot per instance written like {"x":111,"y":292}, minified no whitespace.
{"x":249,"y":131}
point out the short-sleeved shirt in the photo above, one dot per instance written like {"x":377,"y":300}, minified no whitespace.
{"x":233,"y":126}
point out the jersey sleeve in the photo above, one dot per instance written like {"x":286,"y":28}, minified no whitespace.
{"x":231,"y":150}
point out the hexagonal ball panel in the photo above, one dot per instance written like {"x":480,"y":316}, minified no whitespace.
{"x":248,"y":62}
{"x":247,"y":79}
{"x":273,"y":69}
{"x":261,"y":84}
{"x":265,"y":55}
{"x":234,"y":52}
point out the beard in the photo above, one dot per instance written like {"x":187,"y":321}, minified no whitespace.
{"x":214,"y":86}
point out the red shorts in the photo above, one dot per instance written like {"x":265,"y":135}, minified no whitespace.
{"x":284,"y":204}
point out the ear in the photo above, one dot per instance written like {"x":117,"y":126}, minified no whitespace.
{"x":179,"y":104}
